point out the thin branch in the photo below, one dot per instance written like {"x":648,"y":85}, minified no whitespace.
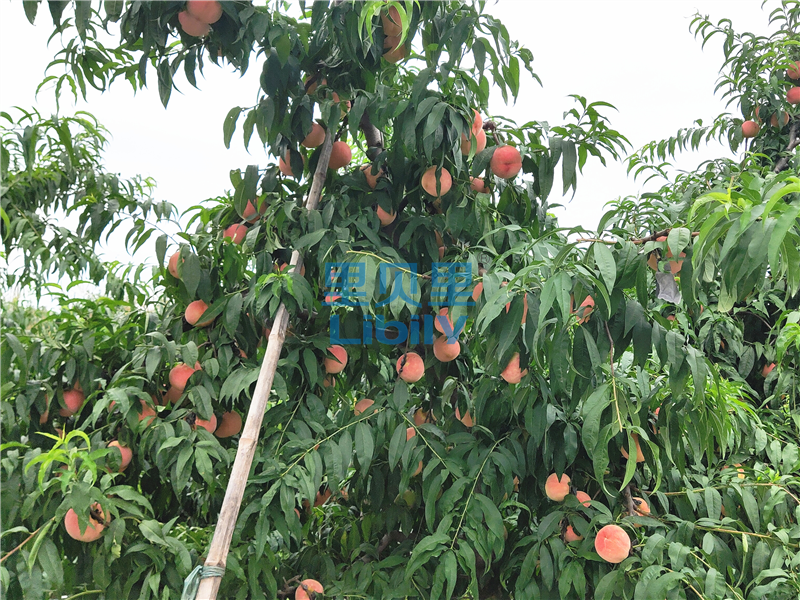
{"x":25,"y":541}
{"x":629,"y":501}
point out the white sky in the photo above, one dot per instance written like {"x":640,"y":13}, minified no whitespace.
{"x":638,"y":55}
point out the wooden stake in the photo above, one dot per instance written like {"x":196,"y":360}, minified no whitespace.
{"x":221,"y":542}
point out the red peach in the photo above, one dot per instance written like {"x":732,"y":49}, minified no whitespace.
{"x":210,"y":426}
{"x":477,"y":184}
{"x":793,"y":95}
{"x":250,"y":215}
{"x":793,"y":72}
{"x":307,"y":589}
{"x":506,"y":162}
{"x":446,"y":349}
{"x":372,"y":180}
{"x":639,"y":454}
{"x":179,"y":375}
{"x":767,"y":369}
{"x":477,"y":123}
{"x":194,"y":311}
{"x":73,"y":399}
{"x":229,"y":425}
{"x":612,"y":544}
{"x":570,"y":535}
{"x":337,"y":364}
{"x":204,"y":11}
{"x":192,"y":26}
{"x":236,"y":233}
{"x":512,"y":373}
{"x":467,"y":419}
{"x":394,"y":51}
{"x":125,"y":457}
{"x":384,"y":217}
{"x":93,"y":530}
{"x":391,"y":22}
{"x":750,"y":129}
{"x":583,"y":498}
{"x":410,"y":367}
{"x":172,"y":265}
{"x":362,"y":405}
{"x":555,"y":488}
{"x":480,"y":142}
{"x":341,"y":155}
{"x":315,"y":137}
{"x":430,"y":181}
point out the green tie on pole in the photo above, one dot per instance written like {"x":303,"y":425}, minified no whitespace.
{"x":192,"y":582}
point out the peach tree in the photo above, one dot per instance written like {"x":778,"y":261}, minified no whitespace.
{"x":606,"y":413}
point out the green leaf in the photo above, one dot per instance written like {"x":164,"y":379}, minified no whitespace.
{"x":233,"y":312}
{"x":190,"y":273}
{"x":229,"y":125}
{"x":30,"y":6}
{"x":604,"y":259}
{"x":397,"y":445}
{"x":365,"y":446}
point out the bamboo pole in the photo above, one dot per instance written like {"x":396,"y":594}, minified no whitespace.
{"x":221,"y":542}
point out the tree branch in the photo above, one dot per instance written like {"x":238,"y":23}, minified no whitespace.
{"x":372,"y":134}
{"x":794,"y":140}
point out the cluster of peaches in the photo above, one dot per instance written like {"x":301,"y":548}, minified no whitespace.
{"x":750,"y":129}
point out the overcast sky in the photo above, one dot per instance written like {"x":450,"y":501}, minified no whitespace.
{"x":638,"y":55}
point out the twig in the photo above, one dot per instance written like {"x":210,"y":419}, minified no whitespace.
{"x":658,"y":234}
{"x":626,"y":493}
{"x":25,"y":541}
{"x":794,"y":140}
{"x":613,"y":380}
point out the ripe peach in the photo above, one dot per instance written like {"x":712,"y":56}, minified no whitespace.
{"x":337,"y":364}
{"x":179,"y":375}
{"x":236,"y":233}
{"x":477,"y":184}
{"x":362,"y":405}
{"x":230,"y":424}
{"x":250,"y":215}
{"x":192,"y":26}
{"x":312,"y":87}
{"x":410,"y":433}
{"x":329,"y":381}
{"x":73,"y":399}
{"x":93,"y":530}
{"x":612,"y":544}
{"x":385,"y":218}
{"x":193,"y":313}
{"x":555,"y":488}
{"x":172,"y":265}
{"x":584,"y":310}
{"x":583,"y":498}
{"x":793,"y":72}
{"x":430,"y":181}
{"x":410,"y":367}
{"x":204,"y":11}
{"x":477,"y":123}
{"x":173,"y":394}
{"x":675,"y":266}
{"x":750,"y":129}
{"x":467,"y":419}
{"x":764,"y":372}
{"x":506,"y":162}
{"x":480,"y":142}
{"x":308,"y":589}
{"x":394,"y":51}
{"x":315,"y":137}
{"x":322,"y":497}
{"x":341,"y":155}
{"x":477,"y":291}
{"x":372,"y":180}
{"x":210,"y":426}
{"x":391,"y":22}
{"x":446,"y":349}
{"x":779,"y":119}
{"x":639,"y":454}
{"x":285,"y":165}
{"x":148,"y":413}
{"x":570,"y":535}
{"x":512,"y":373}
{"x":642,"y":507}
{"x":125,"y":457}
{"x":793,"y":95}
{"x":420,"y":417}
{"x":442,"y":321}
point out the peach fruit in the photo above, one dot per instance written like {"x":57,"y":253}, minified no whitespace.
{"x":506,"y":162}
{"x":337,"y":364}
{"x":420,"y":417}
{"x":179,"y":375}
{"x":308,"y":589}
{"x":477,"y":123}
{"x":512,"y":373}
{"x":764,"y":372}
{"x":205,"y":11}
{"x":477,"y":184}
{"x":639,"y":454}
{"x":236,"y":233}
{"x":571,"y":536}
{"x":362,"y":405}
{"x":192,"y":26}
{"x":193,"y":313}
{"x":341,"y":155}
{"x":410,"y":433}
{"x":210,"y":425}
{"x":477,"y":291}
{"x":372,"y":180}
{"x":612,"y":544}
{"x":315,"y":137}
{"x":555,"y":488}
{"x":793,"y":95}
{"x":173,"y":394}
{"x":642,"y":507}
{"x":583,"y":498}
{"x":125,"y":457}
{"x":172,"y":265}
{"x":750,"y":129}
{"x":430,"y":181}
{"x":391,"y":22}
{"x":73,"y":399}
{"x":480,"y":142}
{"x":584,"y":311}
{"x":230,"y":424}
{"x":394,"y":51}
{"x":467,"y":419}
{"x":93,"y":530}
{"x":147,"y":413}
{"x":250,"y":214}
{"x":446,"y":349}
{"x":410,"y":367}
{"x":793,"y":72}
{"x":384,"y":217}
{"x":779,"y":119}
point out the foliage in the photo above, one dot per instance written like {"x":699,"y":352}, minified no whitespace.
{"x":695,"y":291}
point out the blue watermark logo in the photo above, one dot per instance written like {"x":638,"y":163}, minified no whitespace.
{"x":346,"y":286}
